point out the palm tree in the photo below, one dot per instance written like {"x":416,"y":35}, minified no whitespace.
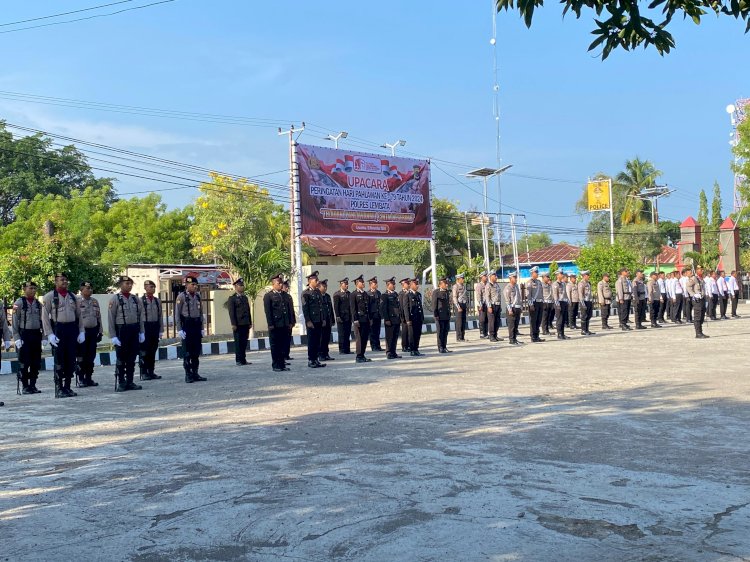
{"x":637,"y":176}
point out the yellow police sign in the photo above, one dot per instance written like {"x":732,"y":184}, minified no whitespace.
{"x":598,"y":195}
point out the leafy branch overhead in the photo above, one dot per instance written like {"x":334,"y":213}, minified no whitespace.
{"x":626,"y":24}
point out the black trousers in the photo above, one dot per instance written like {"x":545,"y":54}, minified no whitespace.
{"x":391,"y":337}
{"x":713,"y":303}
{"x":405,"y":342}
{"x":675,"y":309}
{"x":461,"y":322}
{"x":325,"y":341}
{"x":241,"y":337}
{"x":663,"y":308}
{"x":699,"y":316}
{"x":513,"y":321}
{"x":572,"y":314}
{"x":605,"y":310}
{"x":639,"y":312}
{"x":587,"y":311}
{"x":65,"y":352}
{"x":688,"y":306}
{"x":535,"y":318}
{"x":287,"y":343}
{"x":415,"y":334}
{"x":86,"y":353}
{"x":375,"y":324}
{"x":150,"y":346}
{"x":344,"y":329}
{"x":561,"y":316}
{"x":654,"y":313}
{"x":493,"y":320}
{"x":361,"y":335}
{"x":723,"y":300}
{"x":483,"y":320}
{"x":623,"y":312}
{"x":30,"y":355}
{"x":735,"y":298}
{"x":548,"y":316}
{"x":313,"y":340}
{"x":191,"y":345}
{"x":278,"y":338}
{"x":443,"y":327}
{"x":127,"y":351}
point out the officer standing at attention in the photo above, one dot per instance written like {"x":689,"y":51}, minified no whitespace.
{"x":91,"y":317}
{"x":458,"y":296}
{"x":375,"y":319}
{"x":548,"y":316}
{"x":126,"y":330}
{"x":292,"y":317}
{"x":153,"y":325}
{"x":587,"y":302}
{"x":640,"y":296}
{"x":604,"y":296}
{"x":441,"y":308}
{"x":324,"y":353}
{"x":696,"y":292}
{"x":188,"y":317}
{"x":514,"y":302}
{"x":64,"y":331}
{"x":481,"y":304}
{"x":241,"y":320}
{"x":494,"y":306}
{"x":390,"y":311}
{"x":415,"y":317}
{"x":359,"y":303}
{"x":312,"y":310}
{"x":664,"y":302}
{"x":7,"y":337}
{"x":27,"y":336}
{"x":403,"y":301}
{"x":653,"y":293}
{"x":275,"y":306}
{"x":734,"y":291}
{"x":535,"y":296}
{"x":574,"y":300}
{"x":624,"y":290}
{"x":560,"y":298}
{"x":343,"y":316}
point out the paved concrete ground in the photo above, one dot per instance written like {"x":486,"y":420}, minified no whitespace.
{"x":623,"y":446}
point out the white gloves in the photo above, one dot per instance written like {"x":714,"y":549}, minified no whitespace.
{"x":7,"y":345}
{"x":116,"y":341}
{"x":81,"y":337}
{"x":18,"y":343}
{"x":44,"y":343}
{"x":53,"y":340}
{"x":182,"y":334}
{"x":141,"y":338}
{"x":203,"y":333}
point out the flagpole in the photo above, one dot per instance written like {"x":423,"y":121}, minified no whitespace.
{"x":611,"y":215}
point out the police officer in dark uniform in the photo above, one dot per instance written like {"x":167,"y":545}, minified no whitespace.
{"x":27,"y":336}
{"x":153,"y":325}
{"x":292,"y":320}
{"x":126,"y":330}
{"x":415,"y":317}
{"x":324,"y":353}
{"x":276,"y":308}
{"x":188,"y":317}
{"x":359,"y":304}
{"x":312,"y":310}
{"x":375,"y":318}
{"x":241,"y":320}
{"x":7,"y":337}
{"x":91,"y":317}
{"x":403,"y":301}
{"x":441,"y":308}
{"x":390,"y":311}
{"x":342,"y":311}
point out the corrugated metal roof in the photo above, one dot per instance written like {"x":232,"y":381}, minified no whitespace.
{"x":668,"y":255}
{"x":341,"y":246}
{"x":556,"y":252}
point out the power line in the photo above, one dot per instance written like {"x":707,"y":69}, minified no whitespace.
{"x":66,"y":13}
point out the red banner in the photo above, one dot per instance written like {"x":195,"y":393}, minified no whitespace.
{"x":354,"y":194}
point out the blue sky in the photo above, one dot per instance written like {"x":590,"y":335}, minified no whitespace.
{"x":421,"y":71}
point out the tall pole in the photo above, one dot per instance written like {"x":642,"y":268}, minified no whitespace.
{"x":514,"y":241}
{"x":468,"y":237}
{"x":611,"y":215}
{"x":485,"y":245}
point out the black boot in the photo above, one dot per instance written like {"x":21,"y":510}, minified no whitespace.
{"x":130,"y":384}
{"x":67,"y":390}
{"x":197,"y":377}
{"x":122,"y":386}
{"x":27,"y":389}
{"x":90,"y":381}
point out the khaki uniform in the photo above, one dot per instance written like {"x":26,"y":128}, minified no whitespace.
{"x":61,"y":318}
{"x":587,"y":304}
{"x":91,"y":318}
{"x":492,"y":299}
{"x":27,"y":327}
{"x":604,"y":296}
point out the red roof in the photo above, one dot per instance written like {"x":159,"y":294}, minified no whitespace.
{"x":668,"y":255}
{"x":341,"y":246}
{"x":688,"y":222}
{"x":555,"y":252}
{"x":728,"y":224}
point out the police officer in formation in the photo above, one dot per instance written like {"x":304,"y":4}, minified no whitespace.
{"x":415,"y":317}
{"x":7,"y":337}
{"x":481,"y":304}
{"x":653,"y":297}
{"x":276,"y":309}
{"x":375,"y":319}
{"x":153,"y":326}
{"x":586,"y":302}
{"x":63,"y":329}
{"x":359,"y":304}
{"x":188,"y":317}
{"x":241,"y":320}
{"x":624,"y":292}
{"x":492,"y":299}
{"x":292,"y":320}
{"x":560,"y":298}
{"x":91,"y":317}
{"x":604,"y":296}
{"x":324,"y":352}
{"x":574,"y":301}
{"x":514,"y":304}
{"x":536,"y":302}
{"x":403,"y":301}
{"x":312,"y":310}
{"x":639,"y":300}
{"x":441,"y":307}
{"x":342,"y":310}
{"x":696,"y":292}
{"x":459,"y":299}
{"x":27,"y":337}
{"x":548,"y":314}
{"x":390,"y":311}
{"x":126,"y":330}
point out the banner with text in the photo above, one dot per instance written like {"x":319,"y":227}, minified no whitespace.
{"x":598,"y":195}
{"x":346,"y":193}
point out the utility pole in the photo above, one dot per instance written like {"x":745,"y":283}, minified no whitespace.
{"x":485,"y":174}
{"x":653,"y":194}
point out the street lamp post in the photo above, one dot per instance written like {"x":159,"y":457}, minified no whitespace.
{"x":335,"y":138}
{"x":393,"y":146}
{"x":485,"y":174}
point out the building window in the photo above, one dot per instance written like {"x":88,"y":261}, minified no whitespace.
{"x":352,"y":263}
{"x":321,"y":263}
{"x":370,"y":263}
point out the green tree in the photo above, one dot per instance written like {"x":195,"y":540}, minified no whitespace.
{"x":742,"y":156}
{"x":552,"y":268}
{"x":534,"y":241}
{"x":703,"y":209}
{"x":716,"y":213}
{"x":29,"y":166}
{"x":637,"y":176}
{"x":627,"y":25}
{"x":601,"y":258}
{"x":669,"y":231}
{"x":643,"y":239}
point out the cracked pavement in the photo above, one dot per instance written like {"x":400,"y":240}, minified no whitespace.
{"x":620,"y":446}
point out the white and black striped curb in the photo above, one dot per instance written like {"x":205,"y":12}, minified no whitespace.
{"x":174,"y":351}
